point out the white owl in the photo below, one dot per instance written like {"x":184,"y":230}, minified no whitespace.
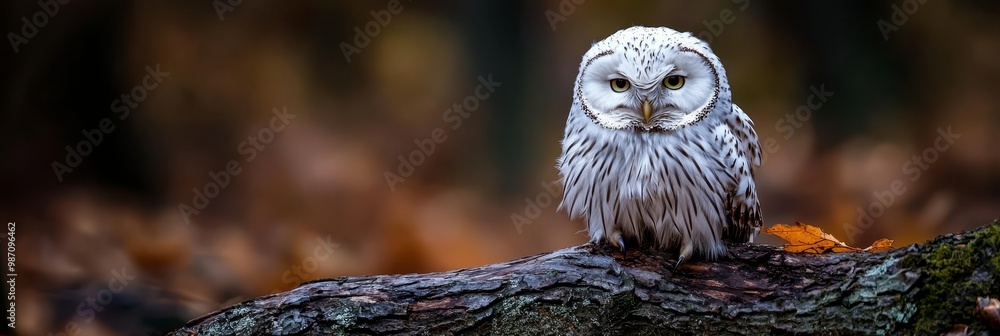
{"x":655,"y":149}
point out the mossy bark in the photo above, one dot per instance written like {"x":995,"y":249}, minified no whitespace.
{"x":593,"y":290}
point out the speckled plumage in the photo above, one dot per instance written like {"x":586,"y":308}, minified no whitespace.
{"x":684,"y":177}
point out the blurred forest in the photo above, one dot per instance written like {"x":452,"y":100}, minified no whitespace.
{"x":313,"y":201}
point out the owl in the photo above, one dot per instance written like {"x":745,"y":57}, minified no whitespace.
{"x":654,"y":148}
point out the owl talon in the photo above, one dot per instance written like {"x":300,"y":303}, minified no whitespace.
{"x":685,"y":252}
{"x":680,"y":260}
{"x":617,"y":240}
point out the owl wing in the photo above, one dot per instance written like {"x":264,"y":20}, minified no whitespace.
{"x":741,"y":155}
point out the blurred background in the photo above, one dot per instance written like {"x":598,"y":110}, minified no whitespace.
{"x":116,"y":240}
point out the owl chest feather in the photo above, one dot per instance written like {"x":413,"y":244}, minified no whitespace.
{"x":667,"y":186}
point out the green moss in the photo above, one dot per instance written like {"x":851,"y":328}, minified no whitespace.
{"x":954,"y":276}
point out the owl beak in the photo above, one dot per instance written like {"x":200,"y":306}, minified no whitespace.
{"x":647,"y":110}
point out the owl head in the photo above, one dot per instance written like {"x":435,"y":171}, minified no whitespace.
{"x":650,"y":80}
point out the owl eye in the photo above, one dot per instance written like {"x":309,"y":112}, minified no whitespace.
{"x":619,"y":84}
{"x":673,"y":82}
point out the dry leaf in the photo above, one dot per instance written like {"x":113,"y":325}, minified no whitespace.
{"x":805,"y":238}
{"x":989,"y":311}
{"x":880,"y":245}
{"x":957,"y":330}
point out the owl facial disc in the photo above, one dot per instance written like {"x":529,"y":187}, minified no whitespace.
{"x":656,"y":80}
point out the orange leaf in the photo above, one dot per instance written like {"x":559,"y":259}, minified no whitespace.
{"x":880,"y":245}
{"x":805,"y":238}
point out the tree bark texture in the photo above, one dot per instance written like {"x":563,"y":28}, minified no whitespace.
{"x":596,"y":290}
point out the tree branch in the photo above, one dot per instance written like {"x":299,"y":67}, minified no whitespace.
{"x":590,"y":290}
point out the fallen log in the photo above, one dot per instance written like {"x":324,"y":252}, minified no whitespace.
{"x":595,"y":290}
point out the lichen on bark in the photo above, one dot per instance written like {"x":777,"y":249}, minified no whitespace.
{"x":955,"y":273}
